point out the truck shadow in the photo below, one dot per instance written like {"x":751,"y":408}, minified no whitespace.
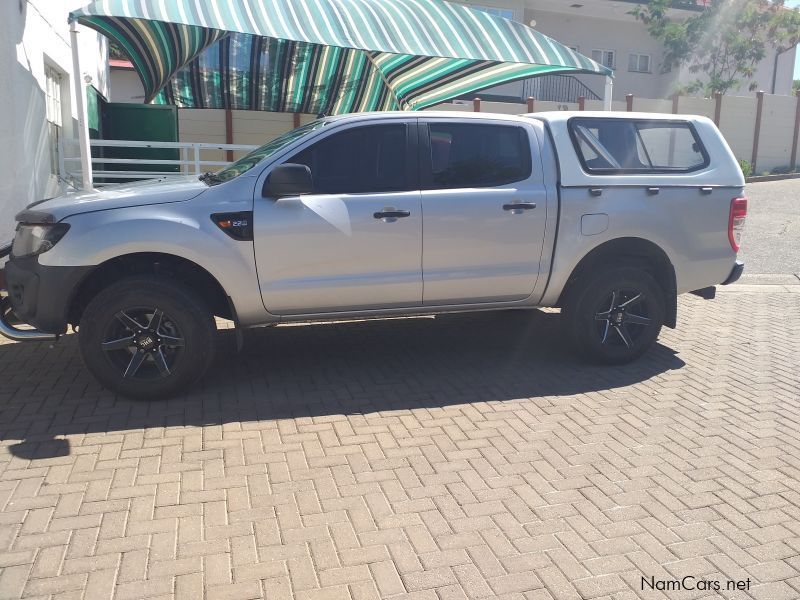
{"x":350,"y":368}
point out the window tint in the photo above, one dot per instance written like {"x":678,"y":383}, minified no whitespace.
{"x":465,"y":155}
{"x":244,"y":164}
{"x":361,"y":160}
{"x":628,"y":146}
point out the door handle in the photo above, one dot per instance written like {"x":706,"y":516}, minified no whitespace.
{"x":517,"y":207}
{"x":391,"y":214}
{"x":706,"y":190}
{"x":653,"y":191}
{"x":595,"y":191}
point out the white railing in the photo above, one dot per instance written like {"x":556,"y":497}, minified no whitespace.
{"x":193,"y":160}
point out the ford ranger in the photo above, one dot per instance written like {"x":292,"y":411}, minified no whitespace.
{"x":608,"y":216}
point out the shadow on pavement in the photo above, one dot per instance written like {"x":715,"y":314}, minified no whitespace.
{"x":314,"y":370}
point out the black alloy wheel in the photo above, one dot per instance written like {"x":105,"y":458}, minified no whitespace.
{"x":623,"y":318}
{"x":613,"y":315}
{"x":147,"y":337}
{"x":143,"y":342}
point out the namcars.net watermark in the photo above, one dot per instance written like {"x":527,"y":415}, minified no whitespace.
{"x":691,"y":583}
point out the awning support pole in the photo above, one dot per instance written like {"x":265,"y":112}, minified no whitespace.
{"x":80,"y":105}
{"x":609,"y":93}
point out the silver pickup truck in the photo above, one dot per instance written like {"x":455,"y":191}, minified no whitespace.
{"x":608,"y":216}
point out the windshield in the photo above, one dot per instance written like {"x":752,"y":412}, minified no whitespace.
{"x":246,"y":163}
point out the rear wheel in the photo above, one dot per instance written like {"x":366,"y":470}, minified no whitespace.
{"x":614,"y":315}
{"x":147,"y":338}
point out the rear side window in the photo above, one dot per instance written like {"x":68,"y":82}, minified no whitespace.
{"x":611,"y":146}
{"x":360,"y":160}
{"x":464,"y":155}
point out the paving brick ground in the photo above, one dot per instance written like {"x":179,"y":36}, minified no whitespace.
{"x":462,"y":457}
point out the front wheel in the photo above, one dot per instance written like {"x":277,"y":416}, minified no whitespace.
{"x":614,"y":315}
{"x":147,"y":338}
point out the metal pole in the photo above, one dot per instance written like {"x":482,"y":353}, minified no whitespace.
{"x":757,"y":133}
{"x":62,"y":169}
{"x":609,"y":92}
{"x":80,"y":104}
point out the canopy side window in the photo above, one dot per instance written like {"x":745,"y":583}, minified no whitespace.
{"x":630,"y":146}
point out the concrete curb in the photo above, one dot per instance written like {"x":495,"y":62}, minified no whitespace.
{"x":758,"y":288}
{"x":763,"y":178}
{"x":763,"y":283}
{"x":769,"y":279}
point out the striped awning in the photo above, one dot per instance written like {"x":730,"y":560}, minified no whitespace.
{"x":323,"y":56}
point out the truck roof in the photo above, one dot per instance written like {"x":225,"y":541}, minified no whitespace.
{"x":549,"y":116}
{"x":565,"y":115}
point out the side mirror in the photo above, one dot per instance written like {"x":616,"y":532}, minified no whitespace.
{"x":288,"y":180}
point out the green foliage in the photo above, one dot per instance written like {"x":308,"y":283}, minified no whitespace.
{"x":723,"y":44}
{"x":116,"y":51}
{"x":746,"y":167}
{"x":796,"y":87}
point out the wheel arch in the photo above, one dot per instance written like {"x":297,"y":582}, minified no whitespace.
{"x":159,"y":264}
{"x":631,"y":251}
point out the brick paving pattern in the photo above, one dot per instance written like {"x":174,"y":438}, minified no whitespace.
{"x":462,"y":457}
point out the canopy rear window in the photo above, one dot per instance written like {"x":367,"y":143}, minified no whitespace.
{"x":631,"y":146}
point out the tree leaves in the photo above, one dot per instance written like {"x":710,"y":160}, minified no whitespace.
{"x":721,"y":44}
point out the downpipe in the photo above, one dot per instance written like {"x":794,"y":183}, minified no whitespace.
{"x":20,"y":335}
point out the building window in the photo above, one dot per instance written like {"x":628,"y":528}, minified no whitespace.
{"x":607,"y":58}
{"x":55,"y":117}
{"x":506,"y":13}
{"x":639,"y":63}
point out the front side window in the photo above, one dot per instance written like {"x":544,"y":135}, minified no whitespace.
{"x":609,"y":146}
{"x":244,"y":164}
{"x":360,"y":160}
{"x":465,"y":155}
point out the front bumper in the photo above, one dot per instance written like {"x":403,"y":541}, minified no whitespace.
{"x":40,"y":295}
{"x":736,"y":273}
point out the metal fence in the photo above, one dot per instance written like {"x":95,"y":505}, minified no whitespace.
{"x":556,"y":88}
{"x":193,"y":159}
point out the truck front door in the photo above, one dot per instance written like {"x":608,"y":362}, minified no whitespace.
{"x":356,"y":242}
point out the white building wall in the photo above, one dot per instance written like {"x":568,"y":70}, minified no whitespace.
{"x":35,"y":33}
{"x":126,"y":86}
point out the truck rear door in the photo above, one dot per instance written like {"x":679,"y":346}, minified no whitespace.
{"x":484,"y":207}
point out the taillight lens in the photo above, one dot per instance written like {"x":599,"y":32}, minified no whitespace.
{"x":736,"y":221}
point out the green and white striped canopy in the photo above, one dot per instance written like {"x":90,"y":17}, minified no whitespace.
{"x":323,"y":56}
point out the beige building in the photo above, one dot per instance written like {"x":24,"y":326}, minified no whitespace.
{"x":606,"y":31}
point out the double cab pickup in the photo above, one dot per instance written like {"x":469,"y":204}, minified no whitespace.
{"x":608,"y":216}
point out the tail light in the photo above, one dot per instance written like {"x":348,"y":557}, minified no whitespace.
{"x":736,"y":221}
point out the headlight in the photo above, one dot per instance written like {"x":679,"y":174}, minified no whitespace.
{"x":32,"y":240}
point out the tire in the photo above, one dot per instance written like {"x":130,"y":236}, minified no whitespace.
{"x":633,"y":303}
{"x":146,"y":338}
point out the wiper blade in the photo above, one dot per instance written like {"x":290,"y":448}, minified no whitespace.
{"x":210,"y":178}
